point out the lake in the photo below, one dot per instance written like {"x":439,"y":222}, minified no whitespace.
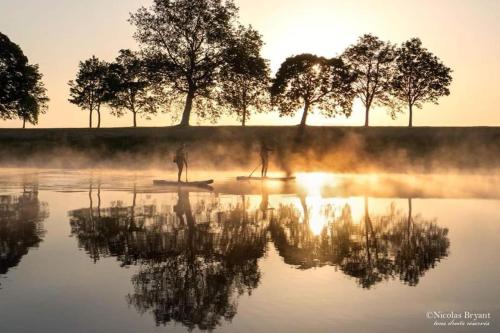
{"x":84,"y":251}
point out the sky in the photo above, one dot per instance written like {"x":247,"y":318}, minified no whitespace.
{"x":464,"y":34}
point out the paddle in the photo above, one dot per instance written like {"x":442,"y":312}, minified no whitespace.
{"x":255,"y":170}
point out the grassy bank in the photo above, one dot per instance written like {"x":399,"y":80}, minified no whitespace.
{"x":347,"y":149}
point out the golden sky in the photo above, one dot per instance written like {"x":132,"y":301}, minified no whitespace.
{"x":465,"y":34}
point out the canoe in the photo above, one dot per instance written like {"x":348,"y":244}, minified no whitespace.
{"x":202,"y":183}
{"x":280,"y":179}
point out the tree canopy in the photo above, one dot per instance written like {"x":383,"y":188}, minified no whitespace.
{"x":308,"y":80}
{"x":420,"y":76}
{"x":131,"y":88}
{"x":245,"y":75}
{"x":372,"y":60}
{"x":22,"y":93}
{"x":90,"y":89}
{"x":188,"y":39}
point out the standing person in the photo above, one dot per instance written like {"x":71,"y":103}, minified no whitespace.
{"x":264,"y":156}
{"x":180,"y":159}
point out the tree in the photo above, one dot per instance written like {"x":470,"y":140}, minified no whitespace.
{"x":245,"y":76}
{"x":189,"y":39}
{"x":420,"y":76}
{"x":22,"y":93}
{"x":130,"y":87}
{"x":90,"y":90}
{"x":373,"y":62}
{"x":307,"y":80}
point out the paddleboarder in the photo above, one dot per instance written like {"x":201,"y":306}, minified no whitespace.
{"x":180,"y":159}
{"x":265,"y":150}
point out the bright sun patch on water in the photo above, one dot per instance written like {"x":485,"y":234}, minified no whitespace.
{"x":312,"y":184}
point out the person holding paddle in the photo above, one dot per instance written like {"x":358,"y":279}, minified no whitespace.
{"x":264,"y":157}
{"x":180,"y":158}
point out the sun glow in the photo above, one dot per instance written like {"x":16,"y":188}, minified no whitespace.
{"x":312,"y":184}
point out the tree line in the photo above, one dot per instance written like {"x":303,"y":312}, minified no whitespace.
{"x":196,"y":56}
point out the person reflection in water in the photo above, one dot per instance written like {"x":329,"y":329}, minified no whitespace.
{"x":183,"y":208}
{"x":180,"y":158}
{"x":264,"y":204}
{"x":264,"y":156}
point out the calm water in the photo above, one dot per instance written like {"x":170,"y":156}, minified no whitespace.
{"x":109,"y":252}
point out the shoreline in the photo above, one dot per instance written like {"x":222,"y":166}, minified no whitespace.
{"x":341,"y":149}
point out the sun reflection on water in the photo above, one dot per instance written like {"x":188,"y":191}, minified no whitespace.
{"x":319,"y":211}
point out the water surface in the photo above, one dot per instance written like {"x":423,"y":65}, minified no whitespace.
{"x":100,"y":252}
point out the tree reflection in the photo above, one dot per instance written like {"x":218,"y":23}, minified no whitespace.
{"x":21,"y":226}
{"x":197,"y":254}
{"x":378,"y":248}
{"x":195,"y":260}
{"x":419,"y":245}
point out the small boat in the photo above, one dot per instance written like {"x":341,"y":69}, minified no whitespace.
{"x":280,"y":179}
{"x":201,"y":183}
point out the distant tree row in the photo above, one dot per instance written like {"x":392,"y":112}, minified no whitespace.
{"x":195,"y":53}
{"x":22,"y":93}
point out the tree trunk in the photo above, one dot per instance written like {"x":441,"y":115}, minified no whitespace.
{"x":24,"y":122}
{"x":409,"y":219}
{"x":410,"y":124}
{"x":135,"y":118}
{"x":244,"y":118}
{"x":187,"y":108}
{"x":99,"y":116}
{"x":367,"y":116}
{"x":304,"y":115}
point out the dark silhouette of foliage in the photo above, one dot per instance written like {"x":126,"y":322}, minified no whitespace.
{"x":194,"y":261}
{"x":373,"y":63}
{"x":22,"y":93}
{"x":420,"y":76}
{"x":375,"y":250}
{"x":188,"y":40}
{"x":21,"y":226}
{"x":131,"y":88}
{"x":90,"y":89}
{"x":245,"y":75}
{"x":307,"y":81}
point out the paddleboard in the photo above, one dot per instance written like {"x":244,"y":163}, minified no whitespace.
{"x":201,"y":183}
{"x":281,"y":179}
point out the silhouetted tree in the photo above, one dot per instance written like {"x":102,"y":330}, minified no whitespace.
{"x":307,"y":81}
{"x":22,"y":93}
{"x":188,"y":40}
{"x":420,"y":76}
{"x":90,"y":89}
{"x":245,"y":76}
{"x":131,"y":88}
{"x":373,"y":63}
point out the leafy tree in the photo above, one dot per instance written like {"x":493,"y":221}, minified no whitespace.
{"x":188,"y":39}
{"x":307,"y":81}
{"x":373,"y":62}
{"x":90,"y":89}
{"x":420,"y":76}
{"x":22,"y":93}
{"x":130,"y":87}
{"x":245,"y":76}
